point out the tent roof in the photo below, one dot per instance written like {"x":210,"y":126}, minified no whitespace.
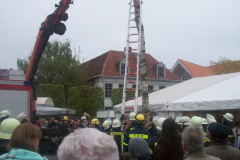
{"x":159,"y":100}
{"x":45,"y":101}
{"x":46,"y":110}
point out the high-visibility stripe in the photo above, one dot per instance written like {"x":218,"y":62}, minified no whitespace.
{"x":230,"y":136}
{"x":151,"y":152}
{"x":118,"y":134}
{"x":132,"y":128}
{"x":144,"y":136}
{"x":155,"y":143}
{"x":206,"y":139}
{"x":125,"y":144}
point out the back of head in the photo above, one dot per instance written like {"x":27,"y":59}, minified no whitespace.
{"x":138,"y":147}
{"x":21,"y":117}
{"x":88,"y":144}
{"x":116,"y":123}
{"x":140,"y":119}
{"x":218,"y":131}
{"x":196,"y":121}
{"x":7,"y":127}
{"x":25,"y":136}
{"x":106,"y":124}
{"x":169,"y":136}
{"x":193,"y":138}
{"x":95,"y":121}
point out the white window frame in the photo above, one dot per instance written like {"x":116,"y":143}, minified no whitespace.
{"x":123,"y":62}
{"x":160,"y":64}
{"x":182,"y":77}
{"x":109,"y":91}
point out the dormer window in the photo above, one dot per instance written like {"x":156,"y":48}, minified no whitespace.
{"x":184,"y":77}
{"x":161,"y":70}
{"x":122,"y":67}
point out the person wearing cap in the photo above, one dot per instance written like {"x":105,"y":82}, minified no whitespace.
{"x":218,"y":134}
{"x":4,"y":114}
{"x":107,"y":126}
{"x":64,"y":129}
{"x":22,"y":118}
{"x":95,"y":124}
{"x":83,"y":122}
{"x":6,"y":129}
{"x":227,"y":120}
{"x":192,"y":143}
{"x":138,"y":131}
{"x":117,"y":134}
{"x":152,"y":142}
{"x":132,"y":116}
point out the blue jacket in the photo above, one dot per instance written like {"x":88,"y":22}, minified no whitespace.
{"x":22,"y":154}
{"x":138,"y":131}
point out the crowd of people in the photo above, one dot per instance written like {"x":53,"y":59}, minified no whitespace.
{"x":182,"y":138}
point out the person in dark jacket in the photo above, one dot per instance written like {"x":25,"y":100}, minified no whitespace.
{"x":227,"y":120}
{"x":132,"y":116}
{"x":64,"y":129}
{"x":218,"y":134}
{"x":138,"y":131}
{"x":138,"y":149}
{"x":95,"y":124}
{"x":117,"y":134}
{"x":152,"y":142}
{"x":84,"y":123}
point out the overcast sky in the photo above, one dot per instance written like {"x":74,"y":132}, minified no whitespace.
{"x":193,"y":30}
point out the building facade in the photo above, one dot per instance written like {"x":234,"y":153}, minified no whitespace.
{"x":107,"y":71}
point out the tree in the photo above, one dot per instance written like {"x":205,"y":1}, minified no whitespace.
{"x":143,"y":65}
{"x":225,"y":65}
{"x":58,"y":66}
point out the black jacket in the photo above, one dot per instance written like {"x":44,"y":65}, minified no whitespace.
{"x":118,"y":136}
{"x":3,"y":146}
{"x":152,"y":142}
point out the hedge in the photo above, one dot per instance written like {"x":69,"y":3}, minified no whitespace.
{"x":56,"y":92}
{"x":86,"y":99}
{"x":116,"y":97}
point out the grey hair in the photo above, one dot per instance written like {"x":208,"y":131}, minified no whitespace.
{"x":88,"y":144}
{"x":193,"y":138}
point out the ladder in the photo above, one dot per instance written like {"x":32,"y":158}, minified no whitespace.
{"x":133,"y":38}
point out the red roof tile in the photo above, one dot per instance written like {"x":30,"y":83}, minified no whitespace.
{"x":197,"y":70}
{"x":94,"y":66}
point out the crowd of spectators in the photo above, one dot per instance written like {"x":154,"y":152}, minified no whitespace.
{"x":182,"y":138}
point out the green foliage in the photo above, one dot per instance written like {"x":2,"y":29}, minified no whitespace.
{"x":56,"y":92}
{"x":225,"y":65}
{"x":86,"y":99}
{"x":116,"y":97}
{"x":58,"y":66}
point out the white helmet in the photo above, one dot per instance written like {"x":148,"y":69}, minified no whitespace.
{"x":132,"y":116}
{"x":177,"y":120}
{"x":185,"y":120}
{"x":106,"y":124}
{"x":155,"y":118}
{"x":21,"y":116}
{"x":211,"y":120}
{"x":196,"y":121}
{"x":204,"y":121}
{"x":83,"y":117}
{"x":228,"y":117}
{"x":160,"y":123}
{"x":4,"y":113}
{"x":116,"y":123}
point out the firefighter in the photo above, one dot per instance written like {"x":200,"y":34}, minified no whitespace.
{"x":152,"y":127}
{"x":107,"y":126}
{"x":4,"y":115}
{"x":132,"y":116}
{"x":152,"y":142}
{"x":227,"y":120}
{"x":138,"y":131}
{"x":95,"y":124}
{"x":83,"y":122}
{"x":22,"y":118}
{"x":64,"y":129}
{"x":117,"y":134}
{"x":184,"y":122}
{"x":6,"y":129}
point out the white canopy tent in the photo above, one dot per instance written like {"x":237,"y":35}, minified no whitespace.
{"x":45,"y":106}
{"x":219,"y":92}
